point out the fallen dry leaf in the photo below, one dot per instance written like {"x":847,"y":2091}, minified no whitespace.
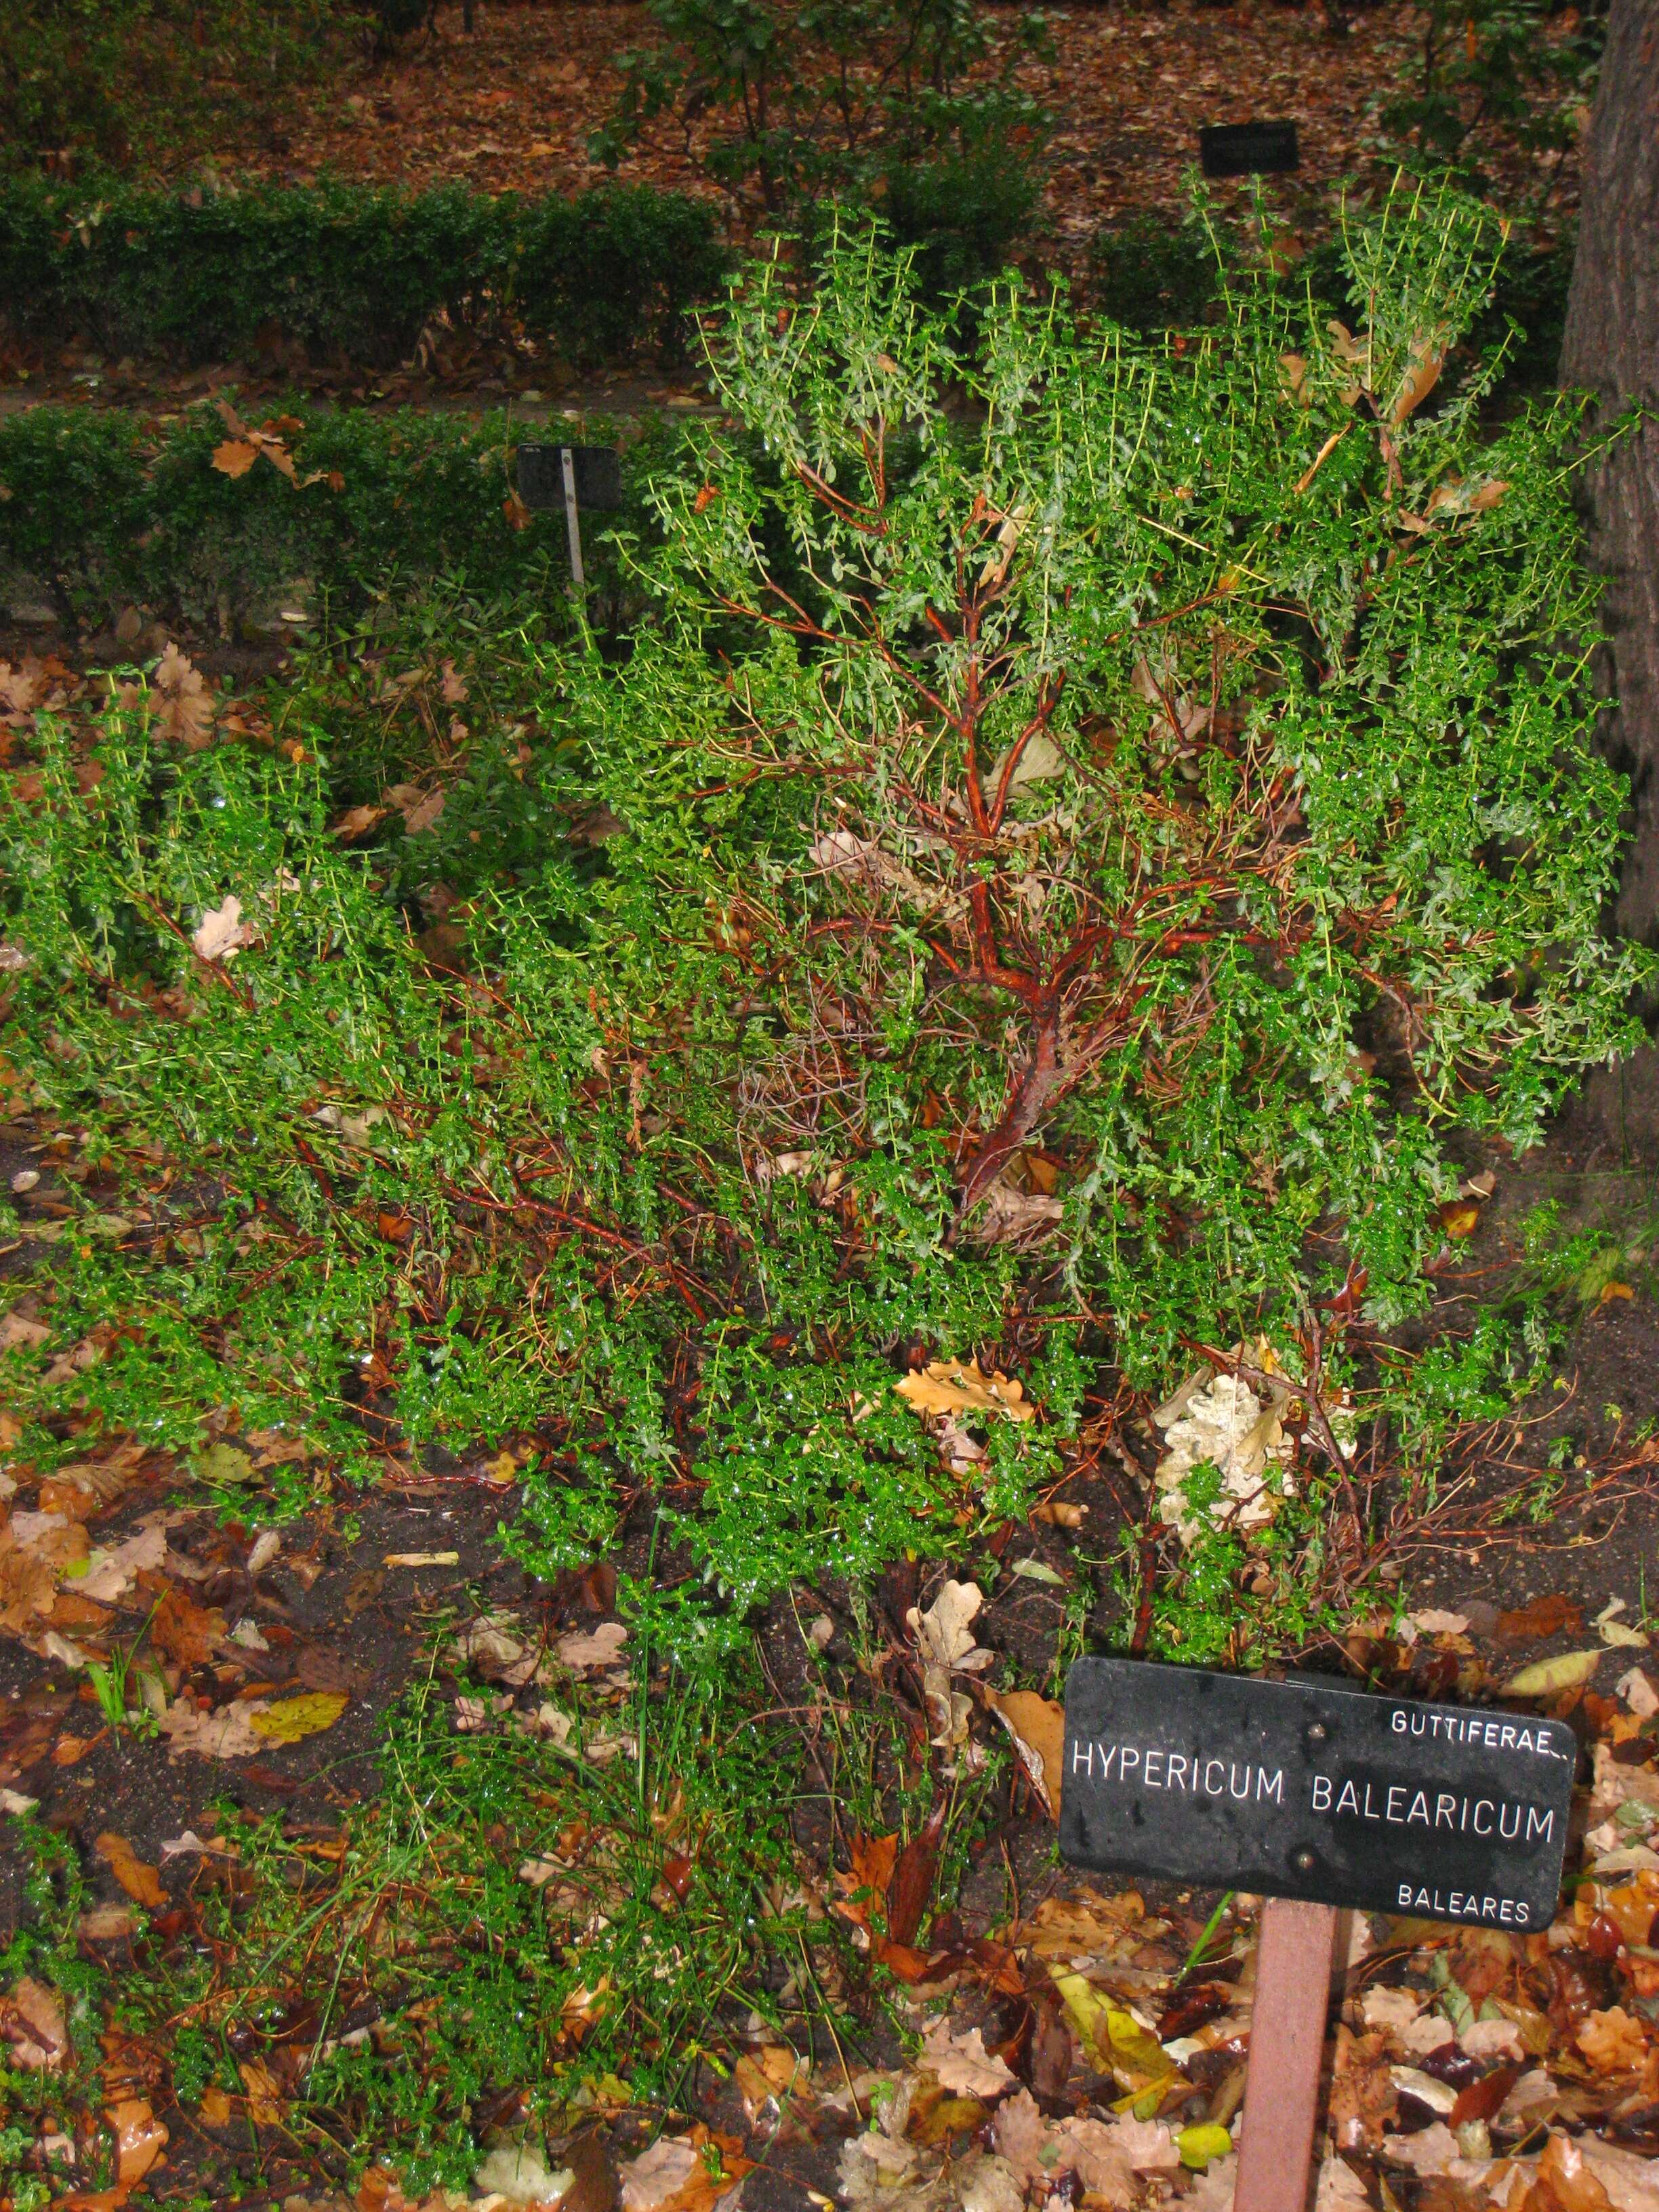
{"x":291,"y":1719}
{"x":140,"y":2139}
{"x":1037,"y":1726}
{"x":1391,"y":2010}
{"x":1621,"y":1638}
{"x":1613,"y":2041}
{"x":140,"y":1881}
{"x":1218,"y":1420}
{"x":228,"y":1732}
{"x":963,"y":2065}
{"x":1546,"y":1616}
{"x":951,"y":1386}
{"x":107,"y":1923}
{"x":357,"y":822}
{"x":1426,"y":360}
{"x":235,"y":456}
{"x":263,"y":2091}
{"x":945,"y":1643}
{"x":189,"y":1633}
{"x":516,"y":2174}
{"x":1569,"y":1670}
{"x":31,"y":2022}
{"x":425,"y":812}
{"x":868,"y":1875}
{"x":221,"y":933}
{"x":657,"y":2175}
{"x":110,"y":1575}
{"x":602,"y":1647}
{"x":180,"y":700}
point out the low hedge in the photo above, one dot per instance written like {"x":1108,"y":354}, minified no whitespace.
{"x":350,"y":269}
{"x":104,"y":509}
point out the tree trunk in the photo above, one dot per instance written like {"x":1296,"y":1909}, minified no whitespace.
{"x":1612,"y":348}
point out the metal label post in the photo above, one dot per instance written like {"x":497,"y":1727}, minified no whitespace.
{"x":572,"y":523}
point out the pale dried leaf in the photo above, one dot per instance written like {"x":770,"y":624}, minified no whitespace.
{"x":1613,"y":2041}
{"x":357,"y":822}
{"x":221,"y":933}
{"x":1340,"y":2189}
{"x":657,"y":2174}
{"x":1546,"y":1678}
{"x":1493,"y":2038}
{"x":226,"y":1733}
{"x":584,"y":1652}
{"x":110,"y":1575}
{"x":1432,"y":2150}
{"x":963,"y":2065}
{"x":1021,"y":2134}
{"x":1622,"y":1637}
{"x":949,"y":1386}
{"x":944,"y":1634}
{"x":107,"y":1923}
{"x":1218,"y":1419}
{"x":1391,"y":2010}
{"x":1429,"y":2032}
{"x":1148,"y":2145}
{"x":1632,"y":2183}
{"x":31,"y":2022}
{"x":516,"y":2173}
{"x":987,"y":2183}
{"x":1426,"y":359}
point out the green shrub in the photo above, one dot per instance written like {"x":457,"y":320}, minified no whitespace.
{"x":1492,"y":72}
{"x":800,"y":97}
{"x":350,"y":270}
{"x":108,"y":512}
{"x":612,"y":270}
{"x":1150,"y":274}
{"x":1062,"y":870}
{"x":148,"y":81}
{"x":963,"y":216}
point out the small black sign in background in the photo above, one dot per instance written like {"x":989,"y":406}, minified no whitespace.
{"x":597,"y":473}
{"x":1248,"y":149}
{"x":1337,"y":1796}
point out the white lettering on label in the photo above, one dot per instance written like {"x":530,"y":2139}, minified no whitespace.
{"x":1464,"y":1905}
{"x":1396,"y":1804}
{"x":1403,"y":1806}
{"x":1475,"y":1727}
{"x":1141,"y":1766}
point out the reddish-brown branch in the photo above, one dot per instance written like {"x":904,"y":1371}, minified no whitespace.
{"x":1047,"y":700}
{"x":850,"y":510}
{"x":1036,"y":1083}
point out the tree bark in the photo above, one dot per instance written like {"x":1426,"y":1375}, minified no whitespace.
{"x":1611,"y":346}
